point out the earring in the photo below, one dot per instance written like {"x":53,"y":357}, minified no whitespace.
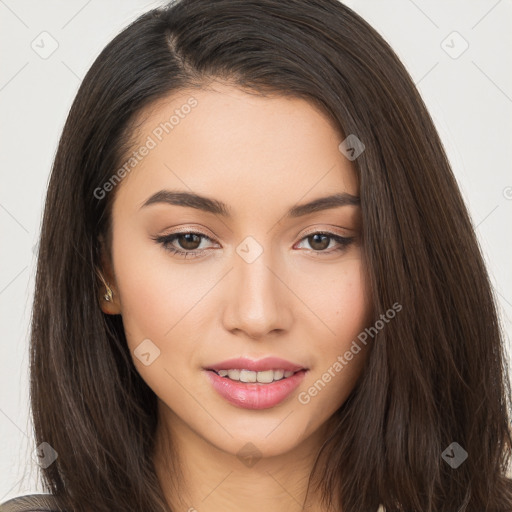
{"x":109,"y":295}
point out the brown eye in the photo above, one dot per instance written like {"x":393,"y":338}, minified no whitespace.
{"x":320,"y":241}
{"x":186,"y":245}
{"x":189,"y":241}
{"x":316,"y":242}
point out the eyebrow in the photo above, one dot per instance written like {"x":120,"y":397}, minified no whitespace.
{"x":210,"y":205}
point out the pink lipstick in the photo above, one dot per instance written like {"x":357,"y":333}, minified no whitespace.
{"x":253,"y":384}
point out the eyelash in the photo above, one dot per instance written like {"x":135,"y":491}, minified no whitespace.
{"x":167,"y":240}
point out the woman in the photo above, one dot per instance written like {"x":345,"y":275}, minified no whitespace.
{"x":258,"y":285}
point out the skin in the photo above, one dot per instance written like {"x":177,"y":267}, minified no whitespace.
{"x":260,"y":156}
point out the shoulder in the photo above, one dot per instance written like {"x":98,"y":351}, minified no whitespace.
{"x":31,"y":503}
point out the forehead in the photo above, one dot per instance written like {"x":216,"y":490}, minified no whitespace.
{"x":248,"y":150}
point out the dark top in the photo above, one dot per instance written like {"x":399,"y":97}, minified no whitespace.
{"x":30,"y":503}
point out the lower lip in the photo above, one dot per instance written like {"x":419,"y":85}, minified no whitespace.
{"x":252,"y":395}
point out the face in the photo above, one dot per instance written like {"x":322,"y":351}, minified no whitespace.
{"x":250,"y":272}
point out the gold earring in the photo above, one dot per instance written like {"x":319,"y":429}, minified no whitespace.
{"x":109,"y":295}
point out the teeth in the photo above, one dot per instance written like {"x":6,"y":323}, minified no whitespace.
{"x":264,"y":377}
{"x":234,"y":374}
{"x":247,"y":376}
{"x":278,"y":374}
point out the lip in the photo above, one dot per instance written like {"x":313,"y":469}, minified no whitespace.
{"x":254,"y":396}
{"x":267,"y":363}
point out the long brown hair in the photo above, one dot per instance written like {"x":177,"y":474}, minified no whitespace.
{"x":436,"y":375}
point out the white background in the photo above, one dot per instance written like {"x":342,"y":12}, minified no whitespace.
{"x":469,"y":97}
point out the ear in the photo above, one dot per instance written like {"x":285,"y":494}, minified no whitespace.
{"x":106,"y":278}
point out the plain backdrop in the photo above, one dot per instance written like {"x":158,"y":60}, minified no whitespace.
{"x":458,"y":53}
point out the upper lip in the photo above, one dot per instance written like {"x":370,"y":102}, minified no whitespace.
{"x":267,"y":363}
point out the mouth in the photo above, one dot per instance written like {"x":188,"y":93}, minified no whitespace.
{"x":249,"y":384}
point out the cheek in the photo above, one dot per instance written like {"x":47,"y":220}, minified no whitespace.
{"x":343,"y":305}
{"x":155,"y":296}
{"x":157,"y":302}
{"x":344,"y":310}
{"x":139,"y":291}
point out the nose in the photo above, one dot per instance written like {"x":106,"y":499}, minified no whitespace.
{"x":258,"y":298}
